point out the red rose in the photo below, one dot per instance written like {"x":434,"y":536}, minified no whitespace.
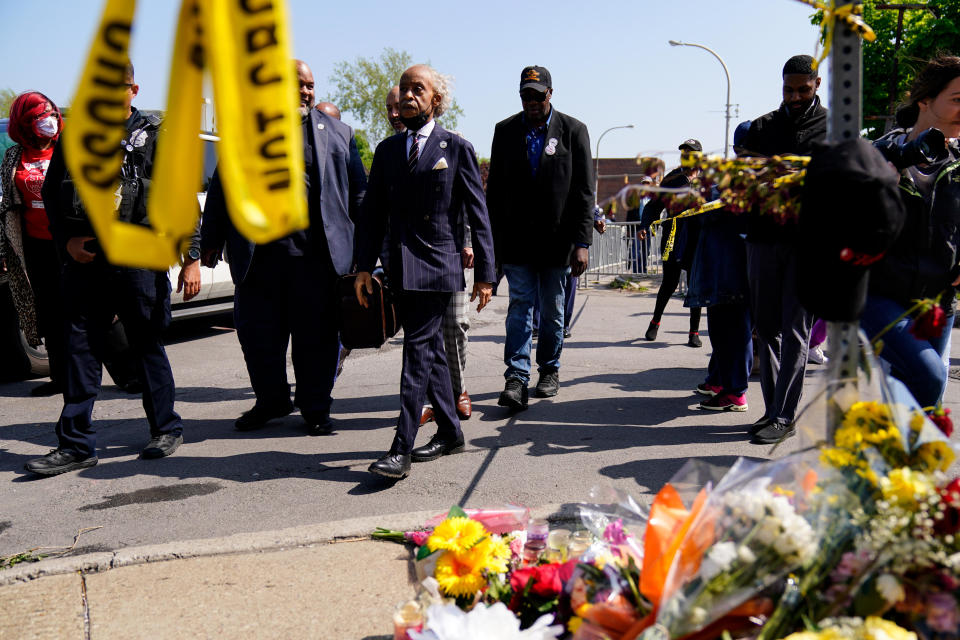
{"x":949,"y":523}
{"x":548,"y":579}
{"x":941,"y":418}
{"x":929,"y":324}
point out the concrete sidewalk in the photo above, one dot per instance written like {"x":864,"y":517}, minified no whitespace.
{"x":323,"y":581}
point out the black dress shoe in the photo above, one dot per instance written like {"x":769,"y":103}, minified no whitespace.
{"x":319,"y":426}
{"x":59,"y":461}
{"x":566,"y":333}
{"x":46,"y":389}
{"x":438,"y":446}
{"x":392,"y":465}
{"x":162,"y":446}
{"x":514,"y":394}
{"x":259,"y":416}
{"x":651,"y":333}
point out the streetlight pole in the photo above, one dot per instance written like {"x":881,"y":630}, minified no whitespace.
{"x":596,"y":171}
{"x":726,"y":137}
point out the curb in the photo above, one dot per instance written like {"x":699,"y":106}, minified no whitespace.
{"x":351,"y":530}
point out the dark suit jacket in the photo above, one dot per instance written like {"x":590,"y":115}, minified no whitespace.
{"x":424,"y":212}
{"x":538,"y":220}
{"x":342,"y":181}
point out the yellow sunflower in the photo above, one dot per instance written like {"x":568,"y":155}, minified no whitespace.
{"x":461,"y":574}
{"x":875,"y":628}
{"x":456,"y":534}
{"x":497,"y":552}
{"x":905,"y":486}
{"x":937,"y":455}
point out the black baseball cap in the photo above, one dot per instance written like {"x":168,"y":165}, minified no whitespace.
{"x":850,"y":215}
{"x":691,"y":145}
{"x":536,"y":78}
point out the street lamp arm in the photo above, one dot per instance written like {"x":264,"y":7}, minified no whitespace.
{"x":596,"y":158}
{"x":726,"y":72}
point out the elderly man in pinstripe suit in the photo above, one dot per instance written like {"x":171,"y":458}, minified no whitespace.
{"x":422,"y":181}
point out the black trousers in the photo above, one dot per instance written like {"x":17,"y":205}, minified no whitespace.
{"x":43,"y":268}
{"x":425,"y":375}
{"x":93,"y":294}
{"x":285,"y":300}
{"x":669,"y":284}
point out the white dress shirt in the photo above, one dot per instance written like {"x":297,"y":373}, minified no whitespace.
{"x":422,"y":136}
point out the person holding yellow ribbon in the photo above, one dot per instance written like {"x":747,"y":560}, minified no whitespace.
{"x":95,"y":291}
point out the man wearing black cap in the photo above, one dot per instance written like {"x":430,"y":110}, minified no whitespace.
{"x":781,"y":322}
{"x":684,"y":247}
{"x":540,"y":199}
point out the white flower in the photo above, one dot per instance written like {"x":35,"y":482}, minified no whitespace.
{"x":449,"y":622}
{"x":718,"y":559}
{"x":768,"y":531}
{"x":746,"y":556}
{"x":890,"y":589}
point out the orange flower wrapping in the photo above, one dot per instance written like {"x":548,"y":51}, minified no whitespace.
{"x":666,"y":537}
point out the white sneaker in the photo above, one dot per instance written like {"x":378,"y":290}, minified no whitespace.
{"x":816,"y":356}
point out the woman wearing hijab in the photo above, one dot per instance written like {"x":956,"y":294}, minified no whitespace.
{"x":26,"y":244}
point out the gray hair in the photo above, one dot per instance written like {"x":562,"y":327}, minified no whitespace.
{"x":443,"y":86}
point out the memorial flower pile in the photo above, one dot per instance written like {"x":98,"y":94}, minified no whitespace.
{"x":854,"y":537}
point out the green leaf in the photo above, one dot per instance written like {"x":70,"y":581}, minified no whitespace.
{"x":423,"y":552}
{"x":456,"y":512}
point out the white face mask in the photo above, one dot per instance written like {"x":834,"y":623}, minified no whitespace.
{"x":47,"y":127}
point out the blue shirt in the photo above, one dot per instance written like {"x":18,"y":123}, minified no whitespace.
{"x":536,"y":136}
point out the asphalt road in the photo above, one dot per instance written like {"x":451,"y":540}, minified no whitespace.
{"x":625,"y":418}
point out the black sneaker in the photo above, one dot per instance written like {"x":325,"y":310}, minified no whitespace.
{"x":566,"y":333}
{"x":58,"y":461}
{"x":773,"y":433}
{"x":549,"y":384}
{"x":651,"y":333}
{"x":759,"y":424}
{"x":259,"y":416}
{"x":514,"y":395}
{"x":162,"y":446}
{"x":694,"y":340}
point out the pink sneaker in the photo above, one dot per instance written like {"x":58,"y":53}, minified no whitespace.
{"x":726,"y":402}
{"x":711,"y":390}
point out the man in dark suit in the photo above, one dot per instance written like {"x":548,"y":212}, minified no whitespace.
{"x":287,"y":288}
{"x":421,"y":183}
{"x":540,"y":198}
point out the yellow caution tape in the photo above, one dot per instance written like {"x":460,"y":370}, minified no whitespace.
{"x":261,"y":157}
{"x":704,"y":208}
{"x":848,"y":13}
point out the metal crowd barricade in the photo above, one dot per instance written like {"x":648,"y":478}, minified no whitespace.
{"x":618,"y":252}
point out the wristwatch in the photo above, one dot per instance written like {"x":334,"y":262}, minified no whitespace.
{"x":193,"y":253}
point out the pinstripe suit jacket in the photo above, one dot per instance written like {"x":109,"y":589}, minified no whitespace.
{"x":423,"y":211}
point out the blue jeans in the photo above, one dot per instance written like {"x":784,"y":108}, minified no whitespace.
{"x":526,"y":284}
{"x":917,"y":363}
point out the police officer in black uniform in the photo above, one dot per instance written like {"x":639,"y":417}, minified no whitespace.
{"x":96,"y":291}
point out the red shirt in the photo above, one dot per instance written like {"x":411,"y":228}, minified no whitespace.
{"x":29,"y":180}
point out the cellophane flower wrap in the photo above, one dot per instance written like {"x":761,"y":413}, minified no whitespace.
{"x":892,"y":548}
{"x":761,"y":522}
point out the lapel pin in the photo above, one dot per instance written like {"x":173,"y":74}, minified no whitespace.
{"x":443,"y":144}
{"x":320,"y":126}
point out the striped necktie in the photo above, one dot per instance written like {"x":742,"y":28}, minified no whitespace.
{"x":414,"y":151}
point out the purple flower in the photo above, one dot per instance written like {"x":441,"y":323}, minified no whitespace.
{"x":614,"y":533}
{"x":942,"y":612}
{"x":418,"y":538}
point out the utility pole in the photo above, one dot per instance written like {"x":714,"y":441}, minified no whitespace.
{"x":901,"y":9}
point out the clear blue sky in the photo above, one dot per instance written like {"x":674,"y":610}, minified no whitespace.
{"x":610,"y":61}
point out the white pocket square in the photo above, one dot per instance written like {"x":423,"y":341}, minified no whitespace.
{"x":441,"y":164}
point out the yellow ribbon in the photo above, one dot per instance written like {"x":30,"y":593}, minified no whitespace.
{"x":848,"y":13}
{"x":261,"y":158}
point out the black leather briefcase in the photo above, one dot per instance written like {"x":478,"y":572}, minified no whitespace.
{"x":366,"y":328}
